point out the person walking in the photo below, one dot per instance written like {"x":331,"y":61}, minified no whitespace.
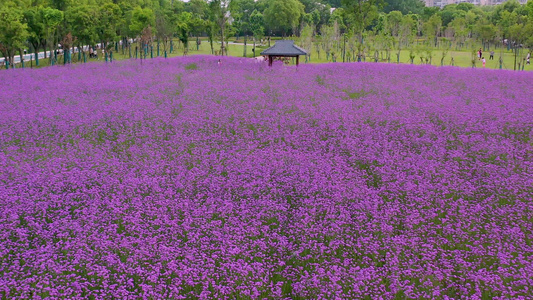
{"x":484,"y":62}
{"x":491,"y":55}
{"x":480,"y":53}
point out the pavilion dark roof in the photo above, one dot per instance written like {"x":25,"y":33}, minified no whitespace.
{"x":284,"y":48}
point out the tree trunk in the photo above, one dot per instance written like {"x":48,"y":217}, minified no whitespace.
{"x":12,"y":60}
{"x":222,"y":39}
{"x":245,"y":39}
{"x":21,"y":54}
{"x":360,"y":54}
{"x":515,"y":56}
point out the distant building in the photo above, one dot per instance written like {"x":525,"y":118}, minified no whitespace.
{"x":442,"y":3}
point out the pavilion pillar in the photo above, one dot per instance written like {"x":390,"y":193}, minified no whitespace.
{"x":270,"y":58}
{"x":297,"y":60}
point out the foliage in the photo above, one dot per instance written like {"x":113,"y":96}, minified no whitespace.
{"x":257,"y":24}
{"x":361,"y":13}
{"x":47,"y":22}
{"x":13,"y":32}
{"x":33,"y":17}
{"x":109,"y":20}
{"x":284,"y":15}
{"x":82,"y":21}
{"x":404,"y":6}
{"x":141,"y":19}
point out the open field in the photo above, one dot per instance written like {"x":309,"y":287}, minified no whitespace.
{"x":461,"y":58}
{"x":235,"y":50}
{"x":186,"y":179}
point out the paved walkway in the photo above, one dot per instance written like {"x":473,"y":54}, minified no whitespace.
{"x":31,"y":56}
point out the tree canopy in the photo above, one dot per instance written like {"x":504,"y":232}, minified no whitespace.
{"x":42,"y":24}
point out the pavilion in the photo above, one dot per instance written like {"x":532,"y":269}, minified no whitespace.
{"x":284,"y":48}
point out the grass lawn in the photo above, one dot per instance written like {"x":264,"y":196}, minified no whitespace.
{"x":460,"y":58}
{"x":204,"y":49}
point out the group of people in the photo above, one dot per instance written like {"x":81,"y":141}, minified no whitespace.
{"x":93,"y":53}
{"x":482,"y":58}
{"x":480,"y":55}
{"x":491,"y":57}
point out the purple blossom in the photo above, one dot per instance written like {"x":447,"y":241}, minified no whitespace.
{"x":334,"y":181}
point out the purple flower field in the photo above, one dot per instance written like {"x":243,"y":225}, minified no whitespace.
{"x":185,"y":179}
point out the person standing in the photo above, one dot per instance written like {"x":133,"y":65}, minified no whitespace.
{"x":491,"y":55}
{"x":528,"y":62}
{"x":480,"y":53}
{"x":484,"y":62}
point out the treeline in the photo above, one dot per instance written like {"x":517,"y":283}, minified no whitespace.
{"x":380,"y":30}
{"x":36,"y":25}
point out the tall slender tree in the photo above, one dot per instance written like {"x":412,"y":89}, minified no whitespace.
{"x":359,"y":14}
{"x":220,"y":16}
{"x":13,"y":33}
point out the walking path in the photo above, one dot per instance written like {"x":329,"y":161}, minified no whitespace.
{"x":31,"y":56}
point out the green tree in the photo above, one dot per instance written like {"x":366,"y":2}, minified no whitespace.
{"x":141,"y":18}
{"x":449,"y":13}
{"x":33,"y":17}
{"x":283,"y":15}
{"x":306,"y":40}
{"x":219,"y":18}
{"x":394,"y":20}
{"x":485,"y":31}
{"x":470,"y":19}
{"x":337,"y":16}
{"x":241,"y":11}
{"x":405,"y":33}
{"x":310,"y":5}
{"x":199,"y":8}
{"x":359,"y":14}
{"x":82,"y":21}
{"x":518,"y":34}
{"x":333,"y":3}
{"x":164,"y":28}
{"x":13,"y":32}
{"x":404,"y":6}
{"x":183,"y":29}
{"x":428,"y":12}
{"x":511,"y":5}
{"x":529,"y":8}
{"x":432,"y":28}
{"x":256,"y":24}
{"x":61,"y":5}
{"x":465,"y":6}
{"x":199,"y":22}
{"x":109,"y":16}
{"x":459,"y":30}
{"x":51,"y":19}
{"x":507,"y":19}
